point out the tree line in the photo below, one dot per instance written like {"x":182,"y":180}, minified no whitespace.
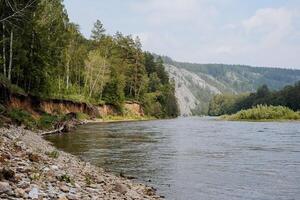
{"x":224,"y":104}
{"x":46,"y":55}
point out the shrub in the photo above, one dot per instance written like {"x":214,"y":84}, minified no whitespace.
{"x":53,"y":154}
{"x":82,"y":116}
{"x":20,"y":117}
{"x":47,"y":121}
{"x":262,"y":112}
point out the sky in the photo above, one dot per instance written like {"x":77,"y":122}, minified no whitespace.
{"x":251,"y":32}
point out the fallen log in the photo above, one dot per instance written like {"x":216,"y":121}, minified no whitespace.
{"x":59,"y":130}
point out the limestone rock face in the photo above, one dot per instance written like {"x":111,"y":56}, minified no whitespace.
{"x":188,"y":86}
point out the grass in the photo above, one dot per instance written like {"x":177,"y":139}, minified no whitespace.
{"x":82,"y":116}
{"x":125,"y":118}
{"x":53,"y":154}
{"x":21,"y":117}
{"x":47,"y":121}
{"x":264,"y":113}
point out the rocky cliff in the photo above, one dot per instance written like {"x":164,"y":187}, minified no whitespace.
{"x":196,"y":84}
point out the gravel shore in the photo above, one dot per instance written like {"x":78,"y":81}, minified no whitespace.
{"x":31,"y":168}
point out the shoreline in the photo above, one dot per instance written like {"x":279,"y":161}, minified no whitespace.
{"x":33,"y":168}
{"x":95,"y":121}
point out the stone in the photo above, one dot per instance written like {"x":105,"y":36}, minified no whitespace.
{"x":20,"y":193}
{"x":33,"y":157}
{"x":64,"y":188}
{"x":149,"y":191}
{"x":4,"y":187}
{"x":121,"y":188}
{"x":7,"y":174}
{"x":34,"y":193}
{"x":24,"y":184}
{"x":54,"y":168}
{"x":72,"y":197}
{"x":62,"y":198}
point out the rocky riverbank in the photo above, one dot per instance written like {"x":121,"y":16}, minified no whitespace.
{"x":31,"y":168}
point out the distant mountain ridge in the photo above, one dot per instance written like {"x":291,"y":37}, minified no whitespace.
{"x":196,"y":84}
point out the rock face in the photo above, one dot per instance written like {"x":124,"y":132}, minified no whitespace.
{"x":196,"y":84}
{"x":28,"y":171}
{"x":188,"y":88}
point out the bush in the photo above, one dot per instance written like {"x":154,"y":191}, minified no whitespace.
{"x":53,"y":154}
{"x":48,"y":121}
{"x":20,"y":117}
{"x":82,"y":116}
{"x":262,"y":112}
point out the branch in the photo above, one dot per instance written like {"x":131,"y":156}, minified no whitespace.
{"x":16,"y":11}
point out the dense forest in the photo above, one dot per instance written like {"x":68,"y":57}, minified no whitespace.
{"x":288,"y":97}
{"x":45,"y":55}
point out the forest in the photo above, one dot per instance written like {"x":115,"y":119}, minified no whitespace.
{"x":44,"y":54}
{"x":288,"y":97}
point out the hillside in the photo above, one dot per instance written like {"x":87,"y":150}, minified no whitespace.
{"x":196,"y":84}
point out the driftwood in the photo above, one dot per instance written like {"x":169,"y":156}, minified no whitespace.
{"x":59,"y":130}
{"x":65,"y":126}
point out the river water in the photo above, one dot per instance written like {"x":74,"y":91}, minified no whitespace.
{"x":196,"y":158}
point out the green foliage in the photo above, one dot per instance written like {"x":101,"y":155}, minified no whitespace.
{"x":53,"y":154}
{"x":22,"y":117}
{"x":47,"y":121}
{"x":88,"y":179}
{"x":82,"y":116}
{"x":262,"y":112}
{"x":52,"y":59}
{"x":225,"y":104}
{"x":66,"y":178}
{"x":229,"y":104}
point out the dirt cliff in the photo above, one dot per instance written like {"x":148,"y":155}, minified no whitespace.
{"x":37,"y":106}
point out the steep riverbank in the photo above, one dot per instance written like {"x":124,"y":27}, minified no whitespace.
{"x":32,"y":168}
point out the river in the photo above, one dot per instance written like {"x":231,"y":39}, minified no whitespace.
{"x":196,"y":158}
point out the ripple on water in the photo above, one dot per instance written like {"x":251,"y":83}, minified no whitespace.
{"x":197,"y":158}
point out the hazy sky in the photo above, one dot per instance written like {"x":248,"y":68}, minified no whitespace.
{"x":254,"y":32}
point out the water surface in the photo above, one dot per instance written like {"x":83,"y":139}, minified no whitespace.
{"x":197,"y":158}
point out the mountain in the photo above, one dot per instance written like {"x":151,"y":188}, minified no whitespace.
{"x":196,"y":84}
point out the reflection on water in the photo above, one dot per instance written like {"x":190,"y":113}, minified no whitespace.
{"x":196,"y":158}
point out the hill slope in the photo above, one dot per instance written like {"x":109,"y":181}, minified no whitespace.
{"x":196,"y":84}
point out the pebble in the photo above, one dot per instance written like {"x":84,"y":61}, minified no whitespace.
{"x":34,"y":193}
{"x":20,"y":193}
{"x":121,"y":188}
{"x":72,"y":197}
{"x":63,"y":198}
{"x":4,"y":187}
{"x":29,"y":174}
{"x":54,"y":167}
{"x":64,"y":188}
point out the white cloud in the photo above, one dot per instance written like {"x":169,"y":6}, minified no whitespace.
{"x":197,"y":31}
{"x":162,"y":12}
{"x":271,"y":25}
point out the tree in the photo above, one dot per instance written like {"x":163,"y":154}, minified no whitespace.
{"x":98,"y":31}
{"x":96,"y":69}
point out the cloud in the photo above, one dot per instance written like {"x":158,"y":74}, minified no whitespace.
{"x":201,"y":31}
{"x":166,"y":12}
{"x":272,"y":25}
